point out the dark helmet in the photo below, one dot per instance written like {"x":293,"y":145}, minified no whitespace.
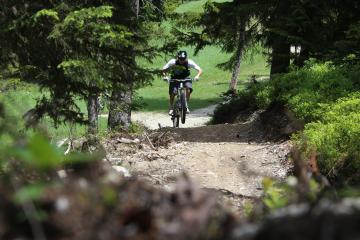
{"x":182,"y":55}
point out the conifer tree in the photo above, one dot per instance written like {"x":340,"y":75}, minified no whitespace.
{"x":313,"y":26}
{"x":74,"y":50}
{"x":228,"y":25}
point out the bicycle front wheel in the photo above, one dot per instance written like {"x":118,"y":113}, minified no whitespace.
{"x":183,"y":107}
{"x":175,"y":118}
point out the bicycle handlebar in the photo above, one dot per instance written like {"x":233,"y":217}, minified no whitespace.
{"x":181,"y":80}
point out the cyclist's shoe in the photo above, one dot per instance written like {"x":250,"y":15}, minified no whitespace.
{"x":187,"y":110}
{"x":171,"y":112}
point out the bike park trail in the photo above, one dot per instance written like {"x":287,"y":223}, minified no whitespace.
{"x":230,"y":159}
{"x":154,"y":120}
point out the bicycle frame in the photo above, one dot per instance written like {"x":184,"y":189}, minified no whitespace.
{"x":180,"y":104}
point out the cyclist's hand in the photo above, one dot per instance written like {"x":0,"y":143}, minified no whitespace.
{"x":196,"y":79}
{"x":166,"y":79}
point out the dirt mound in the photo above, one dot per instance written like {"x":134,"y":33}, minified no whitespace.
{"x":277,"y":123}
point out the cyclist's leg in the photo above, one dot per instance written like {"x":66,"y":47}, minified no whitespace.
{"x":188,"y":87}
{"x":189,"y":90}
{"x":171,"y":99}
{"x":172,"y":93}
{"x":188,"y":93}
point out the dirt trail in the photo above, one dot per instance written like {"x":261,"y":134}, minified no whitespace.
{"x":153,"y":120}
{"x":229,"y":159}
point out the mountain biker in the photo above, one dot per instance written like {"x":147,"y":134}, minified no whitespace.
{"x":179,"y":69}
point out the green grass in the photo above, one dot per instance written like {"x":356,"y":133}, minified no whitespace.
{"x":75,"y":130}
{"x":17,"y":102}
{"x":195,"y":6}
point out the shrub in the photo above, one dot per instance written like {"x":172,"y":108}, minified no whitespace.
{"x":306,"y":89}
{"x":230,"y":108}
{"x":337,"y":139}
{"x":255,"y":96}
{"x":12,"y":84}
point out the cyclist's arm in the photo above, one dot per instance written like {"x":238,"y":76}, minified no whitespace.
{"x":167,"y":66}
{"x":199,"y":73}
{"x":192,"y":64}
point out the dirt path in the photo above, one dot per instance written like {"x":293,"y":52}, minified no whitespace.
{"x":153,"y":120}
{"x":229,"y":159}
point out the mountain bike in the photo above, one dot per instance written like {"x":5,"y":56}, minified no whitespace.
{"x":180,"y":103}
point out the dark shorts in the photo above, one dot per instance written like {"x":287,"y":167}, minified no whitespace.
{"x":173,"y":87}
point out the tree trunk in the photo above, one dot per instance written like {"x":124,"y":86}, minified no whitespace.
{"x":280,"y":61}
{"x":121,"y":99}
{"x":239,"y":54}
{"x":135,"y":7}
{"x":93,"y":111}
{"x":120,"y":109}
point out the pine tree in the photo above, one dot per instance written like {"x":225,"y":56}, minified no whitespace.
{"x":276,"y":25}
{"x":121,"y":97}
{"x":139,"y":19}
{"x":75,"y":49}
{"x":228,"y":25}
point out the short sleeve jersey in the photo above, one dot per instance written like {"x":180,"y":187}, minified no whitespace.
{"x":172,"y":62}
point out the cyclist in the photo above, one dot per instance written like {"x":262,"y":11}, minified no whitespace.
{"x":179,"y":69}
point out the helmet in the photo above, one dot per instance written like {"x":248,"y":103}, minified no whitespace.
{"x":182,"y":55}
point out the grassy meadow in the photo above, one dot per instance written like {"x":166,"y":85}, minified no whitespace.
{"x":195,"y":6}
{"x":19,"y":101}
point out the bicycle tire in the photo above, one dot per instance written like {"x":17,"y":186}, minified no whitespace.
{"x":175,"y":117}
{"x":183,"y":107}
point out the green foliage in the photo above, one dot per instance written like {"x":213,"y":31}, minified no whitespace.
{"x":275,"y":195}
{"x":233,"y":105}
{"x":254,"y":96}
{"x":39,"y":153}
{"x":12,"y":84}
{"x":32,"y":150}
{"x":280,"y":194}
{"x":109,"y":196}
{"x":248,"y":208}
{"x":90,"y":27}
{"x":47,"y":13}
{"x":29,"y":193}
{"x":336,"y":138}
{"x":136,"y":128}
{"x":74,"y":49}
{"x":305,"y":91}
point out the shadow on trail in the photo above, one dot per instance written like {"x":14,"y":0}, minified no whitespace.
{"x":218,"y":133}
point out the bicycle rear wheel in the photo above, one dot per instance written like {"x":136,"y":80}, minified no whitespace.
{"x":183,"y":107}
